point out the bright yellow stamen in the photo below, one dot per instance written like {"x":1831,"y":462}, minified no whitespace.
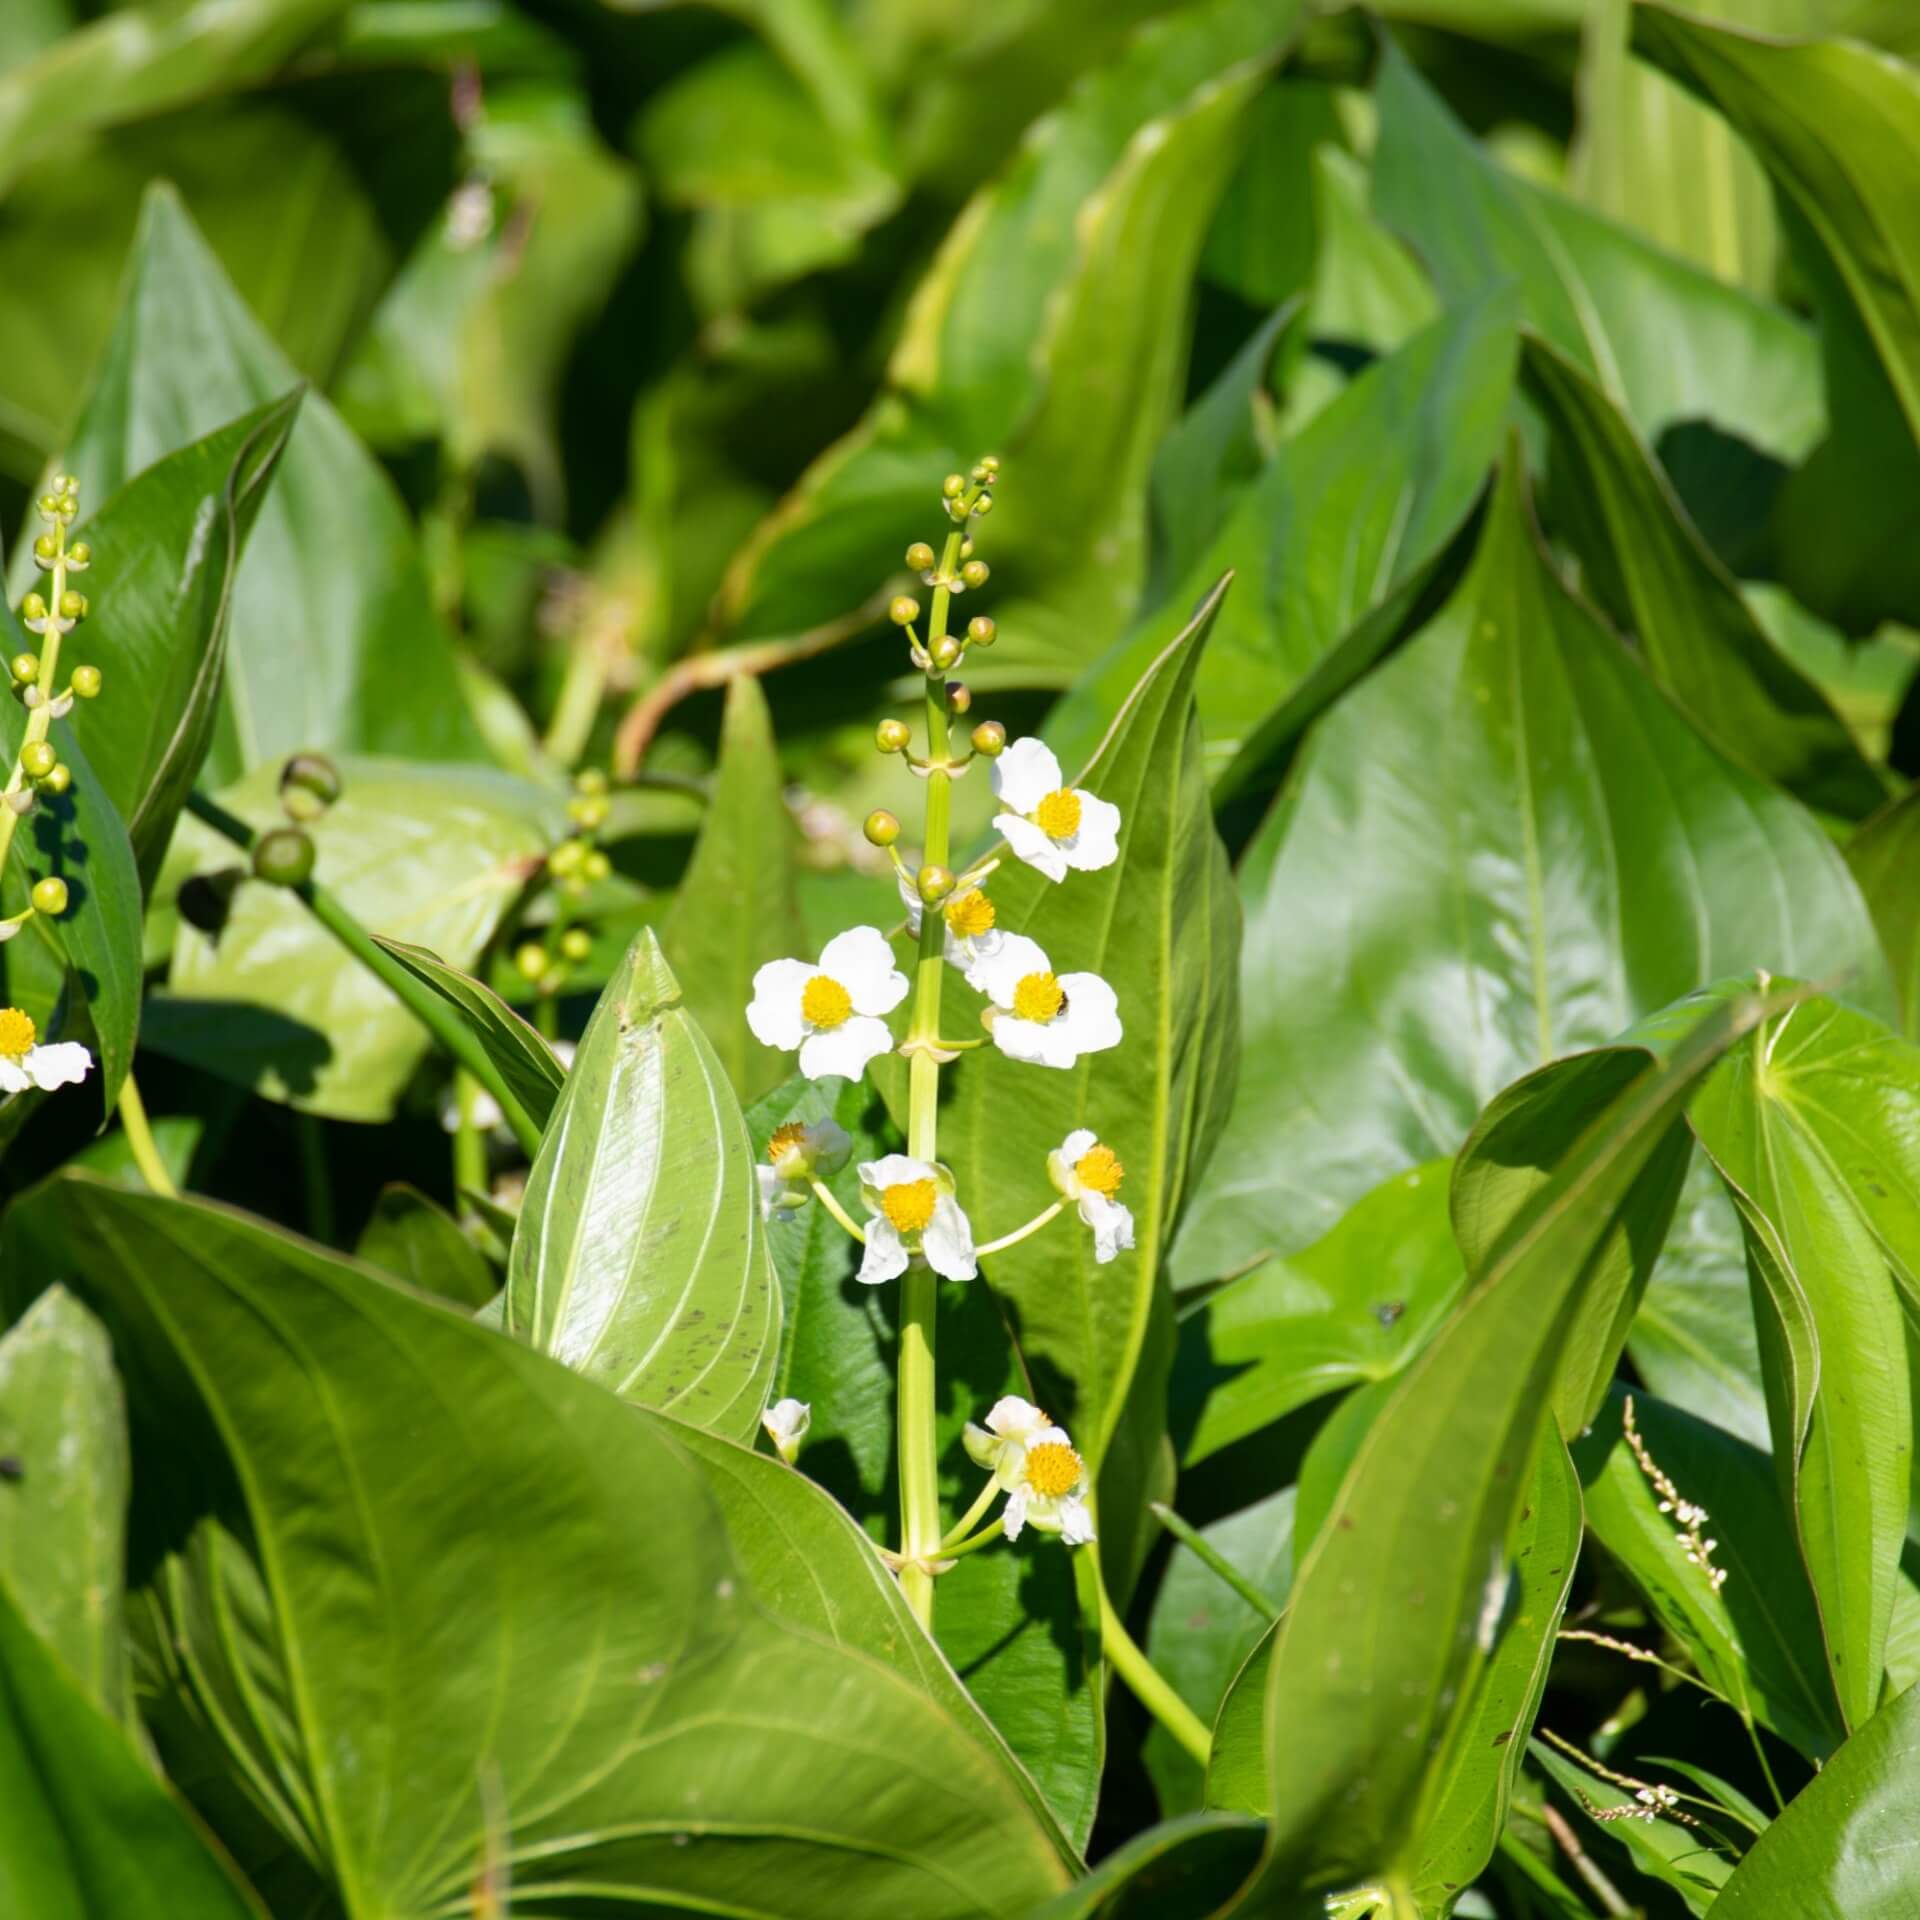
{"x":785,"y":1140}
{"x":1038,"y":997}
{"x":1100,"y":1169}
{"x":970,"y":914}
{"x":910,"y":1205}
{"x":1053,"y":1469}
{"x":1058,"y":815}
{"x":825,"y":1002}
{"x":16,"y":1033}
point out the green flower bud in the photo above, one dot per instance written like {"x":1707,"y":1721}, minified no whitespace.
{"x":904,"y":611}
{"x":934,"y":883}
{"x":589,"y":811}
{"x":946,"y":652}
{"x":65,"y":483}
{"x":984,"y":505}
{"x":73,"y":605}
{"x":596,"y":866}
{"x":919,"y":556}
{"x":33,"y":607}
{"x":566,"y":857}
{"x":59,"y":780}
{"x":589,"y":780}
{"x":25,"y":668}
{"x":892,"y":736}
{"x":48,"y":506}
{"x":981,"y":631}
{"x":576,"y":944}
{"x":531,"y":960}
{"x":45,"y":548}
{"x":882,"y":829}
{"x":959,"y":696}
{"x":991,"y":461}
{"x":38,"y":759}
{"x":309,"y":785}
{"x":990,"y":739}
{"x":50,"y":895}
{"x":283,"y":857}
{"x":86,"y":682}
{"x":952,"y":487}
{"x":79,"y":554}
{"x":975,"y":573}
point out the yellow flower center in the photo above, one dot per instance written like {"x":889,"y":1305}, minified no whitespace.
{"x":1058,"y":815}
{"x":16,"y":1033}
{"x":1052,"y":1469}
{"x":970,"y":914}
{"x":1100,"y":1169}
{"x":785,"y":1140}
{"x":910,"y":1205}
{"x":1038,"y":997}
{"x":824,"y":1001}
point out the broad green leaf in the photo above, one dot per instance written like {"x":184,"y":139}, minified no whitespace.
{"x":1329,"y":547}
{"x":1504,"y":845}
{"x":1160,"y":926}
{"x":1836,"y":124}
{"x":96,"y":943}
{"x":530,"y":1067}
{"x":431,"y":856}
{"x":1811,"y":1124}
{"x":1051,"y":330}
{"x":145,"y":59}
{"x":736,"y":908}
{"x":640,"y":1259}
{"x":1354,"y":1306}
{"x":432,"y":1502}
{"x":1413,"y":1563}
{"x":409,"y":1236}
{"x":1009,"y":1618}
{"x":1842,"y":1850}
{"x":1755,"y":1639}
{"x":1883,"y":855}
{"x":86,"y":1831}
{"x":335,"y":643}
{"x":1650,"y":570}
{"x":1187,"y":1865}
{"x":1603,"y":296}
{"x":63,"y":1509}
{"x":166,"y":548}
{"x":1202,"y":1632}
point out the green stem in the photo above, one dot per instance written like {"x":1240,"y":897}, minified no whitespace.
{"x":971,"y":1518}
{"x":1214,"y":1560}
{"x":1145,"y":1683}
{"x":1014,"y":1238}
{"x":824,"y":1195}
{"x":469,"y":1145}
{"x":140,"y":1141}
{"x":315,"y":1177}
{"x":420,"y":1000}
{"x":984,"y":1538}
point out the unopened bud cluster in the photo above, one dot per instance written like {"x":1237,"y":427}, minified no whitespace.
{"x":966,"y":498}
{"x":309,"y":785}
{"x":573,"y":867}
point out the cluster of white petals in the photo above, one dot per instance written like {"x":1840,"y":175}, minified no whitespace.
{"x":1034,"y":1461}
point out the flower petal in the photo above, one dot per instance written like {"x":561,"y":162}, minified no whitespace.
{"x":862,"y":961}
{"x":1096,"y":844}
{"x":1015,"y":1418}
{"x":1092,"y":1014}
{"x":12,"y":1078}
{"x":1038,"y":850}
{"x":1076,"y":1523}
{"x":64,"y":1064}
{"x":1111,"y":1222}
{"x":885,"y":1255}
{"x":844,"y":1050}
{"x":1015,"y":1515}
{"x":894,"y":1170}
{"x":774,"y":1011}
{"x":1025,"y":773}
{"x":772,"y":1189}
{"x":947,"y":1242}
{"x":982,"y":1448}
{"x":1037,"y":1044}
{"x":996,"y":974}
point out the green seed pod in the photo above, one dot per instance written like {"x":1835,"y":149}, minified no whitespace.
{"x":596,"y":866}
{"x":73,"y":605}
{"x":50,"y":895}
{"x":283,"y":857}
{"x":946,"y":652}
{"x":975,"y":573}
{"x":33,"y":607}
{"x":38,"y":759}
{"x":882,"y":829}
{"x":919,"y":556}
{"x":959,"y":696}
{"x":892,"y":736}
{"x":25,"y":668}
{"x":576,"y":944}
{"x":981,"y":631}
{"x":86,"y":683}
{"x":934,"y":883}
{"x":990,"y":739}
{"x":531,"y":960}
{"x":904,"y":610}
{"x":59,"y":780}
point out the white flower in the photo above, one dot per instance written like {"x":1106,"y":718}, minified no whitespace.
{"x":1000,"y":1446}
{"x":831,"y":1012}
{"x":914,"y":1212}
{"x":1089,"y":1175}
{"x":786,"y":1422}
{"x":23,"y":1064}
{"x":796,"y":1154}
{"x":1050,"y":825}
{"x":970,"y":931}
{"x":1046,"y":1020}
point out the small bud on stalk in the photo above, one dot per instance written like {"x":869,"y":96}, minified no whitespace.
{"x":904,"y":610}
{"x":892,"y":736}
{"x":990,"y":739}
{"x":531,"y":960}
{"x":975,"y":573}
{"x":576,"y":944}
{"x":283,"y":857}
{"x":309,"y":783}
{"x":86,"y":682}
{"x":38,"y":759}
{"x":981,"y":632}
{"x":934,"y":883}
{"x":959,"y":696}
{"x":50,"y":895}
{"x":59,"y":780}
{"x":25,"y":668}
{"x":919,"y":556}
{"x":946,"y":652}
{"x":882,"y":829}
